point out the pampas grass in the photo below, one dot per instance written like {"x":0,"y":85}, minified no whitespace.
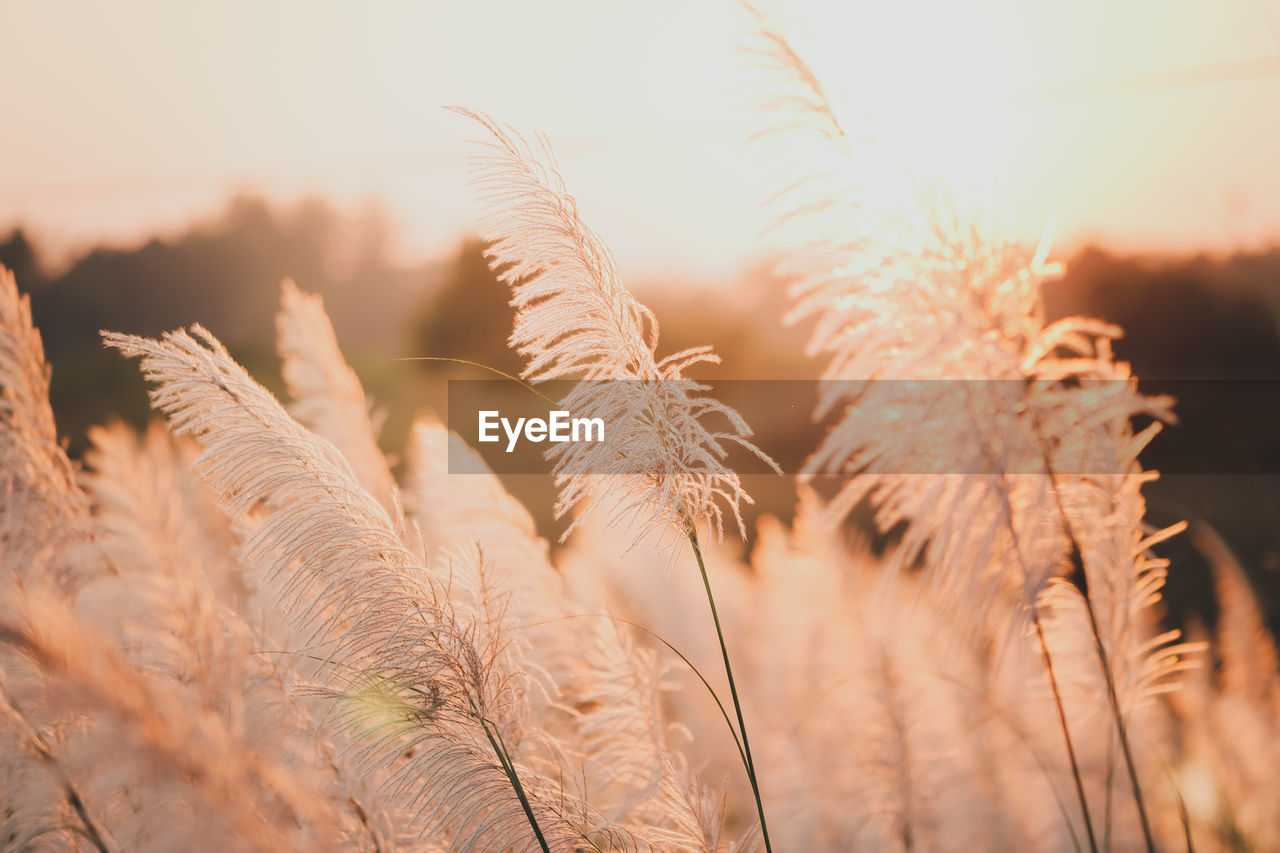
{"x":240,"y":630}
{"x":575,"y":318}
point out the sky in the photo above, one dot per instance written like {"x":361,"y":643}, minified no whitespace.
{"x":1149,"y":125}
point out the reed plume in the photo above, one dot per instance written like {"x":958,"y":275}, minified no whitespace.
{"x":596,"y":692}
{"x":255,"y":631}
{"x":328,"y":397}
{"x":928,"y":290}
{"x":574,"y":317}
{"x":41,"y":498}
{"x":402,"y":676}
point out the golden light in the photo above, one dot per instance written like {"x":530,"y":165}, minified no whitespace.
{"x":925,"y":79}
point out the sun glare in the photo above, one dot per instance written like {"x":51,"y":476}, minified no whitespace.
{"x":922,"y":80}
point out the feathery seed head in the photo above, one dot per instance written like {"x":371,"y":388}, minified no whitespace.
{"x":575,"y":318}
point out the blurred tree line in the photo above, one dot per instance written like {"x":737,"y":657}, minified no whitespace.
{"x":224,"y":274}
{"x":1200,"y":318}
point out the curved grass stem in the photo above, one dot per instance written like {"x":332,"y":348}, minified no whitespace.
{"x":733,"y":690}
{"x":1066,"y":731}
{"x":469,"y":363}
{"x":715,"y":697}
{"x":499,"y":747}
{"x":1121,"y":728}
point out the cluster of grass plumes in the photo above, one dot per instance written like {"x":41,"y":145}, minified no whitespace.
{"x":243,"y":632}
{"x":232,"y":644}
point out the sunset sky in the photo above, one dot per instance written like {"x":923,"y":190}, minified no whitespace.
{"x":1147,"y":124}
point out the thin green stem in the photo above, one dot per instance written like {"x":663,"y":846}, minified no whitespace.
{"x":1047,"y":658}
{"x":733,"y":732}
{"x":1066,"y":732}
{"x":733,"y":690}
{"x":495,"y":740}
{"x":1121,"y":728}
{"x":490,"y":731}
{"x":1104,"y":662}
{"x":493,"y":370}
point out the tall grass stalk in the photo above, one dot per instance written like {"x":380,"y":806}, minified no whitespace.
{"x":733,"y":690}
{"x":256,"y":650}
{"x":1104,"y":661}
{"x":576,"y":318}
{"x":1121,"y":729}
{"x":1000,"y":291}
{"x":509,"y":767}
{"x":1046,"y":658}
{"x":715,"y":697}
{"x":1066,"y":730}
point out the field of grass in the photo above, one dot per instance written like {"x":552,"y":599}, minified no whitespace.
{"x":239,"y":629}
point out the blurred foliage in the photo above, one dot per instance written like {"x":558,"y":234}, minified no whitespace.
{"x":224,"y":274}
{"x":1183,"y":318}
{"x":469,"y":317}
{"x":1197,"y":318}
{"x":1200,"y":319}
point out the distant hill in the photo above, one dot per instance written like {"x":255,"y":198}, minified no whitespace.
{"x":224,"y":274}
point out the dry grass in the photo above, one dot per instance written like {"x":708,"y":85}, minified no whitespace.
{"x":243,"y":633}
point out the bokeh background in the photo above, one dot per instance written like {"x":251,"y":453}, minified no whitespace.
{"x":163,"y":164}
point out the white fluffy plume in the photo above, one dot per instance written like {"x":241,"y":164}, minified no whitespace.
{"x":405,"y":681}
{"x":661,"y":465}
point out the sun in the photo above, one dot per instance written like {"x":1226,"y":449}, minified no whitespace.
{"x":924,"y":80}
